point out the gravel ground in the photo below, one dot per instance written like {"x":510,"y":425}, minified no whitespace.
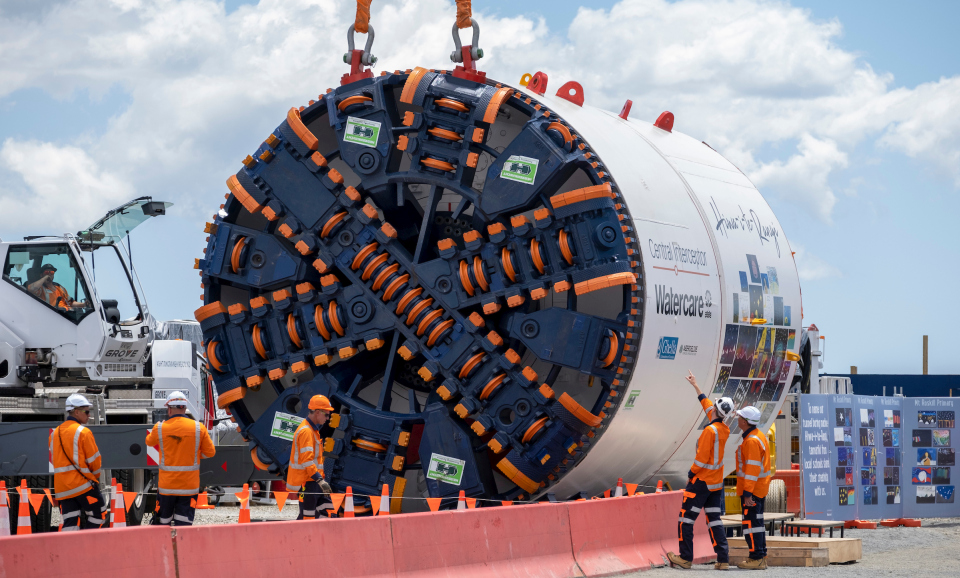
{"x":230,"y":514}
{"x":933,"y":549}
{"x":227,"y":514}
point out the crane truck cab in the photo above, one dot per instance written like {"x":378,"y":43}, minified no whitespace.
{"x":74,"y":313}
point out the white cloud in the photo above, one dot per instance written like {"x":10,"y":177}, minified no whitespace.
{"x":804,"y":176}
{"x":810,"y":267}
{"x":929,"y":125}
{"x":67,"y":189}
{"x":205,"y":87}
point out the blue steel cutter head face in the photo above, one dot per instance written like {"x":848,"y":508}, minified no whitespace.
{"x":449,"y":262}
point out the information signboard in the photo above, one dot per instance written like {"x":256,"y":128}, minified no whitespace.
{"x":870,"y":458}
{"x":929,"y":457}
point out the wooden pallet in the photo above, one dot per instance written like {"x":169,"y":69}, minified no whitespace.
{"x":839,"y":550}
{"x":803,"y":557}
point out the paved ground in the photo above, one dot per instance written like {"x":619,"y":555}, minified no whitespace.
{"x":931,"y":550}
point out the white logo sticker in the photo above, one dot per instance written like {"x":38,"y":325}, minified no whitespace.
{"x":362,"y":131}
{"x":444,"y":469}
{"x":520,"y":169}
{"x":285,"y":425}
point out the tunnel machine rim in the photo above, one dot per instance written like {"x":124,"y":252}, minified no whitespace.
{"x":319,"y":265}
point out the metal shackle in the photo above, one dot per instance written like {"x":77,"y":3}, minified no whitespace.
{"x":475,"y":52}
{"x":366,"y":58}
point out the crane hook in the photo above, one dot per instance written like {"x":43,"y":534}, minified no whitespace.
{"x":475,"y":52}
{"x":366,"y":58}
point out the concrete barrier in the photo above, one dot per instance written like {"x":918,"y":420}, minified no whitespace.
{"x":592,"y":538}
{"x":347,"y":547}
{"x":145,"y":552}
{"x":621,"y":534}
{"x":527,"y":541}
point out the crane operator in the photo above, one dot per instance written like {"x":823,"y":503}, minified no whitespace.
{"x":53,"y":293}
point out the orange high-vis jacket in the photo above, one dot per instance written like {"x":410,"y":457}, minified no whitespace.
{"x":57,"y":297}
{"x":306,"y":456}
{"x":73,"y":444}
{"x":753,"y":464}
{"x":182,"y":442}
{"x":708,"y":464}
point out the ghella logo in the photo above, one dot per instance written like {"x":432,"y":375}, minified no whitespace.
{"x":667,"y":348}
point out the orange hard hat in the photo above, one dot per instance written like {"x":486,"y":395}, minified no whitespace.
{"x":320,"y":402}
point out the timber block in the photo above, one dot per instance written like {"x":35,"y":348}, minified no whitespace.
{"x":802,"y":557}
{"x":840,"y":550}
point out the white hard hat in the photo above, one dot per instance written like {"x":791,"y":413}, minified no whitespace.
{"x":76,"y":400}
{"x":176,"y":399}
{"x":724,"y":406}
{"x":751,"y":414}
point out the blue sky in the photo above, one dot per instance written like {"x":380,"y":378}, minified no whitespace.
{"x":849,"y":125}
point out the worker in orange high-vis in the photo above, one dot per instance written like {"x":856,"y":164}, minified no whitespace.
{"x":704,"y":491}
{"x":76,"y":469}
{"x":183,"y":442}
{"x":753,"y":480}
{"x":305,"y":474}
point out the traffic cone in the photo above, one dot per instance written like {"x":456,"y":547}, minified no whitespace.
{"x":23,"y":514}
{"x":619,"y":490}
{"x":4,"y":510}
{"x":244,"y":497}
{"x":203,"y":503}
{"x":660,"y":486}
{"x":348,"y":503}
{"x":118,"y":515}
{"x":462,"y":501}
{"x":384,"y":502}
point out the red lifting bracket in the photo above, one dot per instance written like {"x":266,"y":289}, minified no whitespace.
{"x":468,"y":55}
{"x":665,"y":121}
{"x":572,"y":91}
{"x":538,"y":84}
{"x":357,"y":59}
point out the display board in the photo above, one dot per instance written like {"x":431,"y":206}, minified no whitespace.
{"x":929,"y":457}
{"x":869,"y":458}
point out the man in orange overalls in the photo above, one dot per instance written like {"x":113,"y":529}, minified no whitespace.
{"x":76,"y":469}
{"x":183,"y":442}
{"x":305,"y":473}
{"x":753,"y":480}
{"x":704,"y":489}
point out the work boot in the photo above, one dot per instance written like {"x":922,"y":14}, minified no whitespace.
{"x":753,"y":564}
{"x":678,"y":561}
{"x":721,"y":566}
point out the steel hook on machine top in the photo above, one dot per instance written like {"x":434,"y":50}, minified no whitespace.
{"x":467,"y":55}
{"x":476,"y":53}
{"x":366,"y":58}
{"x":357,"y":59}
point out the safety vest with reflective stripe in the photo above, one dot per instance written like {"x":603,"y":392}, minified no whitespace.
{"x":72,"y":442}
{"x":306,"y":456}
{"x":708,"y":464}
{"x":182,"y":442}
{"x":753,"y":464}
